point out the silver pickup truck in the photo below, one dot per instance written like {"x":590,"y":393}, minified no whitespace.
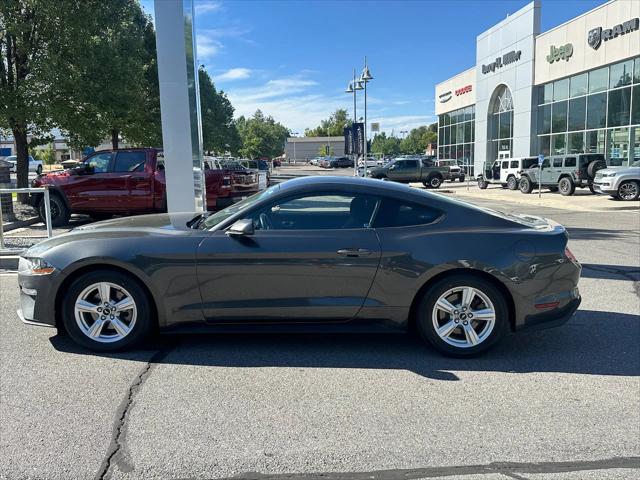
{"x":622,"y":183}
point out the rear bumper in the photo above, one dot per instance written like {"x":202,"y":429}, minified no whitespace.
{"x":553,"y":318}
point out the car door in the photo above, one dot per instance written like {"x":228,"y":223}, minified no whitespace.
{"x":312,"y":258}
{"x":134,"y":177}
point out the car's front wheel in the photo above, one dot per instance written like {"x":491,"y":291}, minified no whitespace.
{"x":462,"y":315}
{"x":482,"y":185}
{"x":106,"y":311}
{"x":512,"y":183}
{"x":629,"y":190}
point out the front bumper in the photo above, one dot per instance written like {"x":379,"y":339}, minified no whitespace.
{"x":605,"y":187}
{"x":37,"y":299}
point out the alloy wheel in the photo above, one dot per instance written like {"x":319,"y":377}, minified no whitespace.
{"x":628,"y":191}
{"x":105,"y":312}
{"x":463,"y":317}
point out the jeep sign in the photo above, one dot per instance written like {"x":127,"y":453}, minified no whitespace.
{"x":561,"y":53}
{"x":598,"y":35}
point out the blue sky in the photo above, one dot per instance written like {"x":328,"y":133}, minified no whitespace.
{"x":294,"y":59}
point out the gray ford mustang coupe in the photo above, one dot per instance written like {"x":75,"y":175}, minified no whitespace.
{"x":312,"y":254}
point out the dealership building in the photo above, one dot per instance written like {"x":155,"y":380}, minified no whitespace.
{"x":572,"y":89}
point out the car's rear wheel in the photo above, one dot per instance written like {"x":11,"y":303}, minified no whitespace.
{"x":462,"y":315}
{"x":525,"y":185}
{"x":106,"y":311}
{"x":629,"y":190}
{"x":512,"y":183}
{"x":60,"y":214}
{"x":566,"y":186}
{"x":434,"y":182}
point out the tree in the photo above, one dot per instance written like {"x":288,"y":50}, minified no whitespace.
{"x":385,"y":145}
{"x":261,"y":136}
{"x":219,"y":131}
{"x":331,"y":127}
{"x":419,"y":138}
{"x":110,"y":87}
{"x":33,"y":33}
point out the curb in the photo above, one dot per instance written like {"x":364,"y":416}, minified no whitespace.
{"x":20,"y":224}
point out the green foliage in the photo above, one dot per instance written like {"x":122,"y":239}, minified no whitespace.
{"x":385,"y":145}
{"x":332,"y":127}
{"x":322,"y":151}
{"x":46,"y":154}
{"x":219,"y":131}
{"x":261,"y":136}
{"x":419,"y":138}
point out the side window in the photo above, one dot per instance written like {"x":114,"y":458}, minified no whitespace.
{"x":100,"y":162}
{"x":514,"y":164}
{"x":546,"y":163}
{"x":412,"y":164}
{"x":505,"y":165}
{"x":570,"y":162}
{"x":327,"y":211}
{"x":557,"y":162}
{"x":397,"y":213}
{"x":129,"y":162}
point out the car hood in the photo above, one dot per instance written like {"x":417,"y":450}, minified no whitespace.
{"x":158,"y":221}
{"x":609,"y":170}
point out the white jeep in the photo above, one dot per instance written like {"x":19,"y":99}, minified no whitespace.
{"x":505,"y":171}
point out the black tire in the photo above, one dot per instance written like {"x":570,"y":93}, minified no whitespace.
{"x":482,"y":185}
{"x":435,"y":181}
{"x":591,"y":189}
{"x":143,"y":322}
{"x":629,"y":190}
{"x":39,"y":169}
{"x":594,"y":166}
{"x":425,"y":312}
{"x":60,"y":214}
{"x":566,"y":186}
{"x":512,"y":183}
{"x":553,"y":188}
{"x":525,"y":185}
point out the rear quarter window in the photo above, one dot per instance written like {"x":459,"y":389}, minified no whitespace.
{"x":570,"y":162}
{"x":397,"y":213}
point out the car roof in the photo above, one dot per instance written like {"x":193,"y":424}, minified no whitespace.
{"x":329,"y":181}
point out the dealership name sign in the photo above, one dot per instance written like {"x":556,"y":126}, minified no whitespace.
{"x":598,"y":35}
{"x":445,"y":97}
{"x":500,"y":62}
{"x":560,"y":53}
{"x":463,"y":90}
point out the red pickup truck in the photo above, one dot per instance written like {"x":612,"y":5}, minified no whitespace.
{"x":128,"y":182}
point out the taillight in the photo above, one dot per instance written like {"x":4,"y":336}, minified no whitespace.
{"x":569,"y":254}
{"x":577,"y":172}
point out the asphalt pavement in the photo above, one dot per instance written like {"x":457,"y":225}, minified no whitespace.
{"x":555,"y":404}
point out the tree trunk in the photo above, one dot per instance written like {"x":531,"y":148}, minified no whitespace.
{"x":114,"y":139}
{"x":22,"y":165}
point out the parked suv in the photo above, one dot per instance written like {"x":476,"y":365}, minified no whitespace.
{"x":506,"y":172}
{"x":622,"y":183}
{"x":563,"y":173}
{"x":456,"y":172}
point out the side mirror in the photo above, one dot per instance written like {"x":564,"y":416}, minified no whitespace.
{"x":392,"y":167}
{"x":241,"y":228}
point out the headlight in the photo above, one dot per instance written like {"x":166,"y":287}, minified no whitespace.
{"x":609,"y":174}
{"x":34,"y":266}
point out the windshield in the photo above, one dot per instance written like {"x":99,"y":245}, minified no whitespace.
{"x":231,"y":210}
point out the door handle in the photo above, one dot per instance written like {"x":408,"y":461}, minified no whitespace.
{"x":354,"y":252}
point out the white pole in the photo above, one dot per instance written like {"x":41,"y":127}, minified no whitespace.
{"x":294,"y":150}
{"x":47,"y":211}
{"x":365,"y":122}
{"x":355,"y":120}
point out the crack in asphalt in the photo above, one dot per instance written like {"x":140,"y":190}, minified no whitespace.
{"x":115,"y":451}
{"x":631,"y":275}
{"x":509,"y":469}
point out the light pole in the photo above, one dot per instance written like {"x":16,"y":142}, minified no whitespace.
{"x":365,"y":78}
{"x":294,"y":135}
{"x":353,"y":87}
{"x":404,"y":133}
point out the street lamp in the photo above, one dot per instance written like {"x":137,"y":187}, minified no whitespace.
{"x":365,"y":78}
{"x":353,"y":87}
{"x":294,"y":134}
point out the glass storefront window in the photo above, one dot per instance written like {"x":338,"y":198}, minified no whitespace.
{"x":578,"y":85}
{"x":621,"y":74}
{"x":441,"y":136}
{"x":468,"y":127}
{"x":595,"y":141}
{"x":505,"y":124}
{"x":598,"y":80}
{"x":455,"y":128}
{"x":544,"y":146}
{"x":544,"y":119}
{"x":636,"y":71}
{"x":559,"y":144}
{"x":635,"y":141}
{"x":446,"y":135}
{"x":460,"y":133}
{"x":619,"y":107}
{"x":546,"y":93}
{"x":560,"y":89}
{"x":559,"y":117}
{"x":577,"y":113}
{"x":576,"y":142}
{"x":597,"y":110}
{"x":618,"y":147}
{"x":635,"y":104}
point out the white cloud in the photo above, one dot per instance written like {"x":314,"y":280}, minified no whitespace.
{"x":207,"y":46}
{"x":272,"y":89}
{"x":204,"y":7}
{"x":233,"y":74}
